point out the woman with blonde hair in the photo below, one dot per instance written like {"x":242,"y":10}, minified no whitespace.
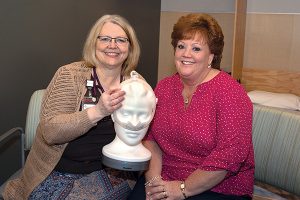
{"x":65,"y":159}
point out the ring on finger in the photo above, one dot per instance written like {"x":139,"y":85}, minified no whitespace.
{"x":165,"y":194}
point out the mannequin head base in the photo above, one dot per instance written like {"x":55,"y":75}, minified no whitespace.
{"x":125,"y":165}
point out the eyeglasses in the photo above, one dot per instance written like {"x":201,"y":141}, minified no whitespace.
{"x":118,"y":40}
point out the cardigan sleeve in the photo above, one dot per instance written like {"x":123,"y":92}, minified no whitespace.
{"x":61,"y":122}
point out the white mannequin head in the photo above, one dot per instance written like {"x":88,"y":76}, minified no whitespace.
{"x":133,"y":118}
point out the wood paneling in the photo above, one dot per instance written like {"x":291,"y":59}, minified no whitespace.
{"x":273,"y":42}
{"x":272,"y":58}
{"x":239,"y":39}
{"x":271,"y":80}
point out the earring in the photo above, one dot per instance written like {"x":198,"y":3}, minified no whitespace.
{"x":209,"y":65}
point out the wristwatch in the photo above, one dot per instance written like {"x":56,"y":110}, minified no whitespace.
{"x":182,"y":188}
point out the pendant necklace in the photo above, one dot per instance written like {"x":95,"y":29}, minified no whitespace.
{"x":186,"y":100}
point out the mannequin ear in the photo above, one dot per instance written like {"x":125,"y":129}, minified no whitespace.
{"x":112,"y":117}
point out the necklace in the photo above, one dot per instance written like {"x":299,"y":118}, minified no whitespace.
{"x":186,"y":100}
{"x":188,"y":93}
{"x":97,"y":83}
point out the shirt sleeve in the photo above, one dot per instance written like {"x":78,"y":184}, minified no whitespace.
{"x":233,"y":131}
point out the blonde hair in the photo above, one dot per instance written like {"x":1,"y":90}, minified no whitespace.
{"x":89,"y":49}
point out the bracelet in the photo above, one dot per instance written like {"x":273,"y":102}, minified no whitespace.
{"x":151,"y":180}
{"x":182,"y":188}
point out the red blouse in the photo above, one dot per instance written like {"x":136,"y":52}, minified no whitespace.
{"x":213,"y":133}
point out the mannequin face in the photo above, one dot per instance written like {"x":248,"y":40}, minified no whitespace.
{"x":130,"y":137}
{"x":135,"y":114}
{"x":133,"y":118}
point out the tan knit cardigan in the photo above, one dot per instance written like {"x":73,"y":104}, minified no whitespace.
{"x":60,"y":123}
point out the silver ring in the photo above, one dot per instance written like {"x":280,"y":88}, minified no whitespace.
{"x":165,"y":194}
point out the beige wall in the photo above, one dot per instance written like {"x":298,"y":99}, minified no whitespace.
{"x":271,"y":61}
{"x":272,"y":41}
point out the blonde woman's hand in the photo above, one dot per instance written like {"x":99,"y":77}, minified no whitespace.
{"x":109,"y":101}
